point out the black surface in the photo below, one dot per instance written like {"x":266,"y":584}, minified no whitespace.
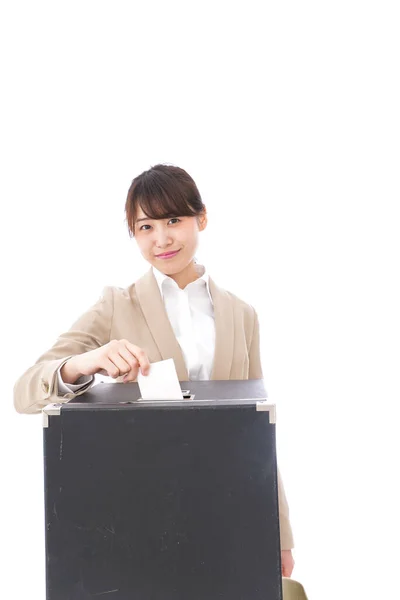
{"x":159,"y":504}
{"x":114,"y":393}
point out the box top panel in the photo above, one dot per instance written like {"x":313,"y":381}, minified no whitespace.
{"x":199,"y":390}
{"x":199,"y":394}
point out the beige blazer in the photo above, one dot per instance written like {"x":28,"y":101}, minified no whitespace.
{"x":137,"y":313}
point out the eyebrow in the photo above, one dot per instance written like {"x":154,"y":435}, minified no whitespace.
{"x":150,"y":219}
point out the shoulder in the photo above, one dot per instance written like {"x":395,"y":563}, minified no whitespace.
{"x":241,"y":304}
{"x":248,"y":311}
{"x":243,"y":310}
{"x":235,"y":300}
{"x":124,"y":296}
{"x":118,"y":294}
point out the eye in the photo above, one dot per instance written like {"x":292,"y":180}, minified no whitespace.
{"x":142,"y":227}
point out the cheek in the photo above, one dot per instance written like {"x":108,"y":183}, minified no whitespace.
{"x":143,"y":245}
{"x":190,"y":236}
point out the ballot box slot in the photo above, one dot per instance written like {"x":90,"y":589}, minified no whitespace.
{"x":185,"y":393}
{"x":185,"y":397}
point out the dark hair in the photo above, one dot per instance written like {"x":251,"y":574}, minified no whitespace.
{"x":162,"y":192}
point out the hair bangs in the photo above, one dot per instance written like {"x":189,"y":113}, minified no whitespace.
{"x":163,"y":200}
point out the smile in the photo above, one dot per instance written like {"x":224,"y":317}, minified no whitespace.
{"x":167,"y":255}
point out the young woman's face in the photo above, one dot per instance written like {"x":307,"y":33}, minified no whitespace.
{"x":168,"y":244}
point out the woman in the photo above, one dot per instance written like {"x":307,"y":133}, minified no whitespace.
{"x":174,"y":311}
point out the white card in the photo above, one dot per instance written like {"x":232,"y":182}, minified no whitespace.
{"x":161,"y":383}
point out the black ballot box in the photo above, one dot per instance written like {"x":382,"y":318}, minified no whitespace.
{"x":162,"y":500}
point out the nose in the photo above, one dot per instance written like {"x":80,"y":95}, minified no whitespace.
{"x":162,"y":238}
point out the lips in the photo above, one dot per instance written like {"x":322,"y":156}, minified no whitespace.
{"x":167,"y":254}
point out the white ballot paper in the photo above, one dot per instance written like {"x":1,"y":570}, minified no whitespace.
{"x":161,"y":383}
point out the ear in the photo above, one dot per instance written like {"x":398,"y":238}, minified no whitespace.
{"x":202,"y":220}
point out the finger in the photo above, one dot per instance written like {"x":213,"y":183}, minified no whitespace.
{"x":121,"y":367}
{"x":109,"y":368}
{"x":133,"y":373}
{"x":131,"y":376}
{"x":284,"y":566}
{"x":132,"y":362}
{"x":141,"y":357}
{"x":287,"y":570}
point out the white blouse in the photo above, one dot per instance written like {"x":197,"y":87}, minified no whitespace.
{"x":191,"y":314}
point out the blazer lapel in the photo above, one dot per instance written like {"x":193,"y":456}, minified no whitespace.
{"x":224,"y":332}
{"x":154,"y":312}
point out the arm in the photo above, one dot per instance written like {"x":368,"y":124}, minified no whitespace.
{"x":255,"y":372}
{"x":286,"y":533}
{"x":38,"y":385}
{"x":255,"y":369}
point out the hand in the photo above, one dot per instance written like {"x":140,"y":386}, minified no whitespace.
{"x":287,"y":563}
{"x":118,"y":357}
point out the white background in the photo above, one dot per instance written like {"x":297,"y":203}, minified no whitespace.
{"x":286,"y":114}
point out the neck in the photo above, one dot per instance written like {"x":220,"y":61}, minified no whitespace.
{"x":183,"y":278}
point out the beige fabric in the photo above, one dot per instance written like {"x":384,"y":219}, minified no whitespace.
{"x":292,"y":590}
{"x":137,"y":313}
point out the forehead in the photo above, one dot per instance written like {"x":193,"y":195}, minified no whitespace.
{"x":140,"y":214}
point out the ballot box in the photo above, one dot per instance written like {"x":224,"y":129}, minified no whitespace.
{"x":162,"y":500}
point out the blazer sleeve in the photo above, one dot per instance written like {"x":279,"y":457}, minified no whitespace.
{"x":255,"y":369}
{"x":38,"y":385}
{"x":255,"y":372}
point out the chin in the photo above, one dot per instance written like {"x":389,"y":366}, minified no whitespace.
{"x":170,"y":270}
